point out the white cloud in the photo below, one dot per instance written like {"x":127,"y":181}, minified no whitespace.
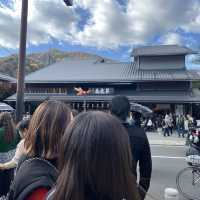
{"x":50,"y":19}
{"x":47,"y":19}
{"x":178,"y":38}
{"x":9,"y":31}
{"x":109,"y":25}
{"x":171,"y":38}
{"x":193,"y":25}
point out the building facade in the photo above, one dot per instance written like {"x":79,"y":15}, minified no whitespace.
{"x":7,"y":86}
{"x":157,"y":78}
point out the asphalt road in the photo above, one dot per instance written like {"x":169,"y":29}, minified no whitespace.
{"x":167,"y":162}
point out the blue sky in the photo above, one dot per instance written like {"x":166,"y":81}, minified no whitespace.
{"x":110,"y":28}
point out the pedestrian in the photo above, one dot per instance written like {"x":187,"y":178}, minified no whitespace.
{"x":149,"y":124}
{"x":22,"y":128}
{"x":131,"y":119}
{"x":170,"y":123}
{"x":27,"y":116}
{"x":137,"y":119}
{"x":140,"y":148}
{"x":8,"y":143}
{"x":95,"y":160}
{"x":159,"y":124}
{"x":37,"y":171}
{"x":186,"y":125}
{"x":180,"y":125}
{"x":165,"y":128}
{"x":166,"y":125}
{"x":190,"y":122}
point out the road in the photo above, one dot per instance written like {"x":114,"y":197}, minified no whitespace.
{"x":167,"y":162}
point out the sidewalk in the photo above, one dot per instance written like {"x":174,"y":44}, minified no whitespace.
{"x":156,"y":138}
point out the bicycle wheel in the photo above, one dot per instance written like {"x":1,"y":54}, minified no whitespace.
{"x":188,"y":183}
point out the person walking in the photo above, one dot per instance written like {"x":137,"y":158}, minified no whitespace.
{"x":166,"y":124}
{"x":180,"y":125}
{"x":186,"y":125}
{"x":140,"y":148}
{"x":149,"y":124}
{"x":170,"y":123}
{"x":95,"y":161}
{"x":159,"y":124}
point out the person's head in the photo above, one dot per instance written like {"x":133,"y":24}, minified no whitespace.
{"x":74,"y":112}
{"x":22,"y":127}
{"x":120,"y":107}
{"x":95,"y":160}
{"x":7,"y":123}
{"x":46,"y":128}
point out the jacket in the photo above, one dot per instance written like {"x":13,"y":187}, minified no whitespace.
{"x":141,"y":153}
{"x":32,"y":174}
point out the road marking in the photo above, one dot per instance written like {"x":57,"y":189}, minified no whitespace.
{"x":169,"y":157}
{"x":166,"y":146}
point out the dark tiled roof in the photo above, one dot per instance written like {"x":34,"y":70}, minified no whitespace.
{"x":139,"y":97}
{"x":70,"y":70}
{"x":7,"y":78}
{"x":78,"y":71}
{"x":161,"y":50}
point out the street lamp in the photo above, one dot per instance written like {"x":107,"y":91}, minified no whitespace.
{"x":22,"y":59}
{"x":68,"y":2}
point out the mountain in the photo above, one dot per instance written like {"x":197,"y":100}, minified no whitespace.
{"x":35,"y":61}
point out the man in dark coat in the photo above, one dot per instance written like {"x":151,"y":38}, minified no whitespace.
{"x":140,"y":148}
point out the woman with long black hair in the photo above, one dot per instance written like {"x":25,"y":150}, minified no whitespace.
{"x":95,"y":161}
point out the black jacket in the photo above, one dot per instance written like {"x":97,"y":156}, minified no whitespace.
{"x":32,"y":174}
{"x":141,"y":154}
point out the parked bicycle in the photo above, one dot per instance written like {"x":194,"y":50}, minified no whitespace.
{"x":188,"y":179}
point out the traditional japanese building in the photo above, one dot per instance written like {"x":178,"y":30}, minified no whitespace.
{"x":157,"y":78}
{"x":7,"y":86}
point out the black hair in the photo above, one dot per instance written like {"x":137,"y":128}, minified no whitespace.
{"x":75,"y":112}
{"x":23,"y":124}
{"x":95,"y":160}
{"x":120,"y":107}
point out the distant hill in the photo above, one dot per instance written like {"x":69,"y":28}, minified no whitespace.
{"x":35,"y":61}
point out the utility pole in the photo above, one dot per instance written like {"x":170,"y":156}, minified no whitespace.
{"x":22,"y":58}
{"x":22,"y":61}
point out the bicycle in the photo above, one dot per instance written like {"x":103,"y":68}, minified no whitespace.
{"x":188,"y":179}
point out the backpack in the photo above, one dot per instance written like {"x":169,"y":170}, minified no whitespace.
{"x":32,"y":174}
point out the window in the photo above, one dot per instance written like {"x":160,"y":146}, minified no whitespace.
{"x":47,"y":90}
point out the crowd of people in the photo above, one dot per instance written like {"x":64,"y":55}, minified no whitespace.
{"x":65,"y":155}
{"x":169,"y":123}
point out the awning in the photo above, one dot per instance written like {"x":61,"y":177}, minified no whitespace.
{"x":5,"y":107}
{"x":139,"y":97}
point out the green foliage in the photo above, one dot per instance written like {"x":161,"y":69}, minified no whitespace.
{"x":35,"y":61}
{"x":196,"y":59}
{"x":196,"y":84}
